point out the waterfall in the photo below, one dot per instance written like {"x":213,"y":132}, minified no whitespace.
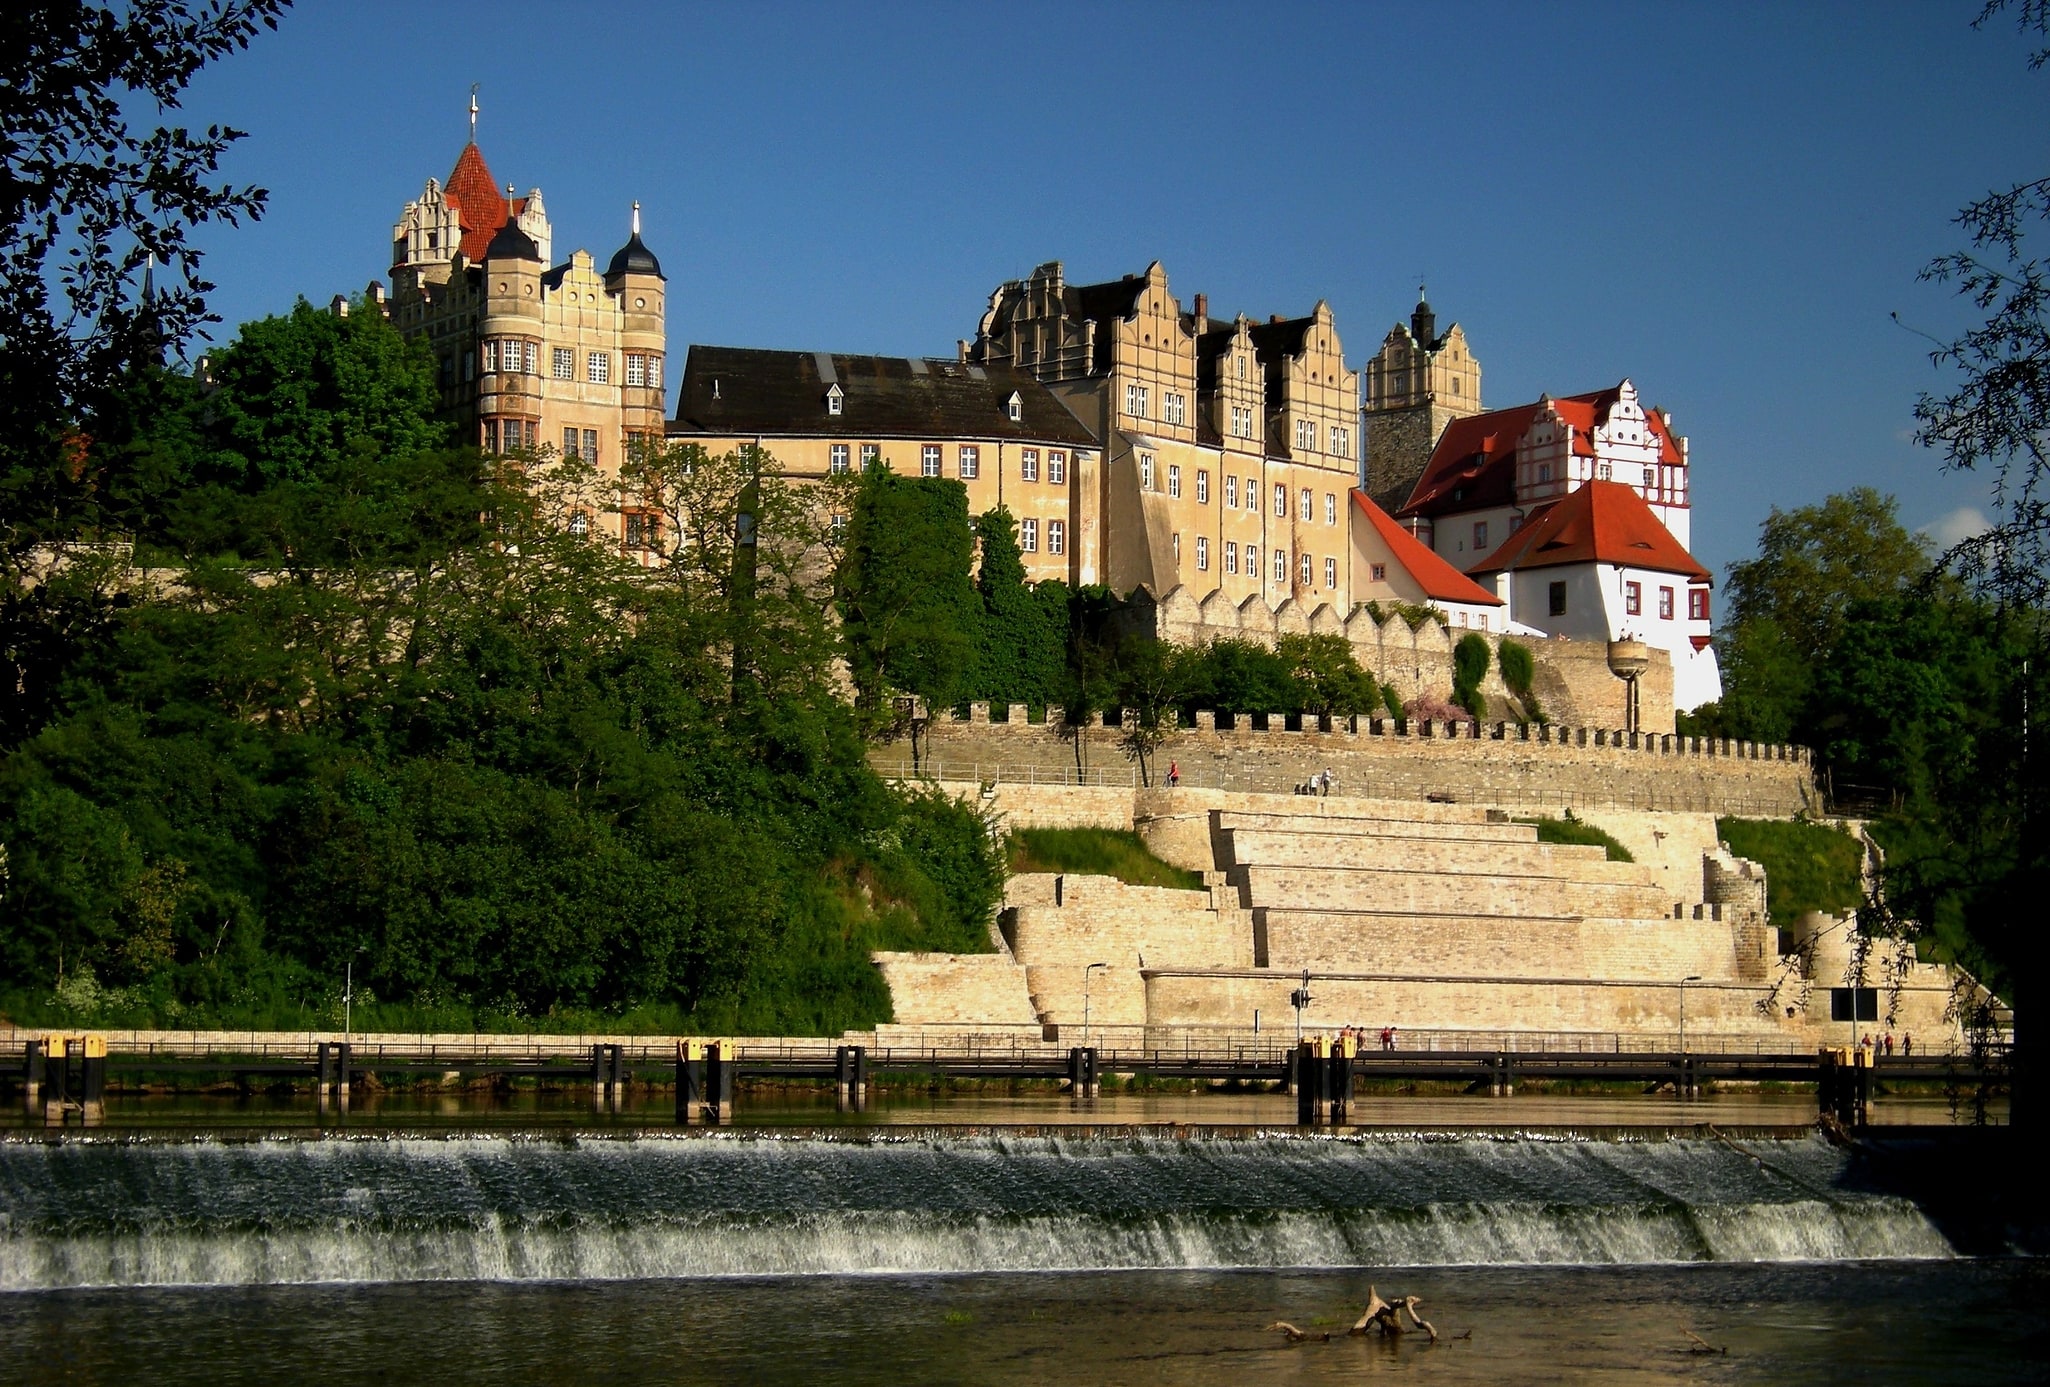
{"x":127,"y":1213}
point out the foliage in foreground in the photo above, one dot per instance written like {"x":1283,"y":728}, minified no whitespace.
{"x":1808,"y":866}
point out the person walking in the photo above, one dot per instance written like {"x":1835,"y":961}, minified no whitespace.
{"x":1174,"y":773}
{"x":1327,"y":782}
{"x":1907,"y":1043}
{"x":1889,"y":1042}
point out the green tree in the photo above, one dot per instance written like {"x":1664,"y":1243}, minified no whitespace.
{"x":907,"y":606}
{"x":1329,"y":679}
{"x":1813,"y":562}
{"x":1021,"y":653}
{"x":1152,"y":680}
{"x":1470,"y":666}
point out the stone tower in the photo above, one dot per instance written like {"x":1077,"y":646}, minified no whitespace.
{"x":1417,"y":383}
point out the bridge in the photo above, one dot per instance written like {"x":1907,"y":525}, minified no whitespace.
{"x":65,"y":1076}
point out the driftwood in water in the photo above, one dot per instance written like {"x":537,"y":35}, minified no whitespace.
{"x":1387,"y":1318}
{"x":1702,"y":1345}
{"x":1296,"y":1336}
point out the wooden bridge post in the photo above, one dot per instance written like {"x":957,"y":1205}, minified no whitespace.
{"x":92,"y":1093}
{"x":1303,"y":1066}
{"x":843,"y":1077}
{"x":57,"y":1079}
{"x":597,"y":1077}
{"x":1341,"y":1078}
{"x":33,"y":1057}
{"x":719,"y":1058}
{"x":1507,"y":1061}
{"x":690,"y":1080}
{"x":1861,"y":1089}
{"x":860,"y":1078}
{"x":621,"y":1073}
{"x":344,"y":1052}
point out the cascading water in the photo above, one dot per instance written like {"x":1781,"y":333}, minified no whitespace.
{"x":111,"y":1213}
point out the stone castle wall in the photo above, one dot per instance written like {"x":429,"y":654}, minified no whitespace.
{"x":1535,"y":768}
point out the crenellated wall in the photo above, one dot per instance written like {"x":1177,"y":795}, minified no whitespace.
{"x":1536,"y":767}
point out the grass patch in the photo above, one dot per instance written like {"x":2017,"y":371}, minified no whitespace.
{"x":1807,"y":866}
{"x":1094,"y":852}
{"x":1577,"y":833}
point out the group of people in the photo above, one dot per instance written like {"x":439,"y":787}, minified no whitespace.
{"x":1319,"y":783}
{"x":1358,"y":1036}
{"x":1884,"y":1044}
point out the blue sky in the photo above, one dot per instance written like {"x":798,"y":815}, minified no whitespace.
{"x":1724,"y":203}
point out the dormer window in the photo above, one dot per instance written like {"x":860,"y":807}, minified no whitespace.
{"x":1015,"y":407}
{"x":835,"y":399}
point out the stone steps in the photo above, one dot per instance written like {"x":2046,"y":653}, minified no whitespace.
{"x":1431,"y":855}
{"x":1471,"y":945}
{"x":1458,"y":892}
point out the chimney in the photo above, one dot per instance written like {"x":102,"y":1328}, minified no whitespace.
{"x":1273,"y":317}
{"x":1202,"y":314}
{"x":961,"y":345}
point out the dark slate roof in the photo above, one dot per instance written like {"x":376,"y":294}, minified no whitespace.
{"x":773,"y":392}
{"x":634,"y":258}
{"x":511,"y":243}
{"x":1285,"y":338}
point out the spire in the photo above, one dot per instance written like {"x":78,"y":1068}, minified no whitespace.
{"x":637,"y":219}
{"x":634,"y":257}
{"x":1423,"y":323}
{"x":473,"y":113}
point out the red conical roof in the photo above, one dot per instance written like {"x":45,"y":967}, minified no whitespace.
{"x":480,"y":207}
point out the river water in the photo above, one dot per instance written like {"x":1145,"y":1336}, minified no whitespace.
{"x":894,"y":1254}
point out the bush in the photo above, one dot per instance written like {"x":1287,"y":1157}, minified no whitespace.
{"x":1469,"y":667}
{"x":1434,"y":708}
{"x":1518,"y":668}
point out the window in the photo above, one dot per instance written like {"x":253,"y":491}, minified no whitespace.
{"x":1177,"y":544}
{"x":1231,"y":556}
{"x":531,"y":351}
{"x":636,"y":369}
{"x":1481,"y":620}
{"x":1665,"y":604}
{"x":1242,"y":366}
{"x":1135,"y":401}
{"x":1202,"y":486}
{"x":1544,"y":472}
{"x":1281,"y":565}
{"x":871,"y":453}
{"x":1252,"y":495}
{"x":1379,"y":572}
{"x":1341,"y":442}
{"x":490,"y":366}
{"x":1028,"y":465}
{"x":1306,"y":435}
{"x":565,"y":362}
{"x":643,"y":531}
{"x":599,"y":368}
{"x":1028,"y":536}
{"x":1633,"y":599}
{"x":929,"y":460}
{"x":1480,"y":536}
{"x":839,"y":527}
{"x":1603,"y":472}
{"x":1174,"y":407}
{"x":569,"y":443}
{"x":1651,"y":478}
{"x":1145,"y":471}
{"x":839,"y":455}
{"x":1854,"y":1003}
{"x":1252,"y":560}
{"x":590,"y":445}
{"x":1330,"y":508}
{"x":1174,"y":480}
{"x":970,"y":462}
{"x":490,"y":435}
{"x":1056,"y":537}
{"x":1556,"y":593}
{"x":1697,"y":604}
{"x":1330,"y":573}
{"x":1280,"y":499}
{"x":654,"y":373}
{"x":1202,"y":553}
{"x":836,"y":398}
{"x":1056,"y":469}
{"x":1305,"y":574}
{"x":1306,"y":506}
{"x":1015,"y":407}
{"x":579,"y":524}
{"x":1231,"y":492}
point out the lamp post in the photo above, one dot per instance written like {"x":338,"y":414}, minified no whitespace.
{"x":1085,"y":998}
{"x":349,"y":994}
{"x":1691,"y":977}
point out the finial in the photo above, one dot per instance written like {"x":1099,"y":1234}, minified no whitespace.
{"x":473,"y":113}
{"x":637,"y":219}
{"x":1420,"y":289}
{"x":511,"y":210}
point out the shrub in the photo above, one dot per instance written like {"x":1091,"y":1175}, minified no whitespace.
{"x":1580,"y":833}
{"x":1517,"y":666}
{"x":1096,"y":851}
{"x":1469,"y":667}
{"x":1434,"y":708}
{"x":1807,"y":866}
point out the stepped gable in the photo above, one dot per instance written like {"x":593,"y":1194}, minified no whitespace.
{"x":745,"y":390}
{"x":481,"y":207}
{"x":1597,"y":522}
{"x":1440,"y":580}
{"x":1473,"y":466}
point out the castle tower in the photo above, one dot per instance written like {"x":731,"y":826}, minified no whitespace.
{"x":635,"y":282}
{"x":1417,"y":383}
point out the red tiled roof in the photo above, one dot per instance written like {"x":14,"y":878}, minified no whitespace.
{"x":481,"y":208}
{"x":1597,"y":522}
{"x":1440,"y":581}
{"x":1475,"y":460}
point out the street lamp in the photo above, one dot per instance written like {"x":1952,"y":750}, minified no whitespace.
{"x":1085,"y":998}
{"x":349,"y":994}
{"x":1691,"y":977}
{"x":1299,"y":999}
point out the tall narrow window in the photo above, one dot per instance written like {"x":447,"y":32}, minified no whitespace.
{"x":1665,"y":604}
{"x":1281,"y":565}
{"x":839,"y":456}
{"x":1028,"y":464}
{"x":1202,"y":486}
{"x":1145,"y":471}
{"x":1174,"y":480}
{"x":1056,"y":537}
{"x":1330,"y":508}
{"x":1304,"y":573}
{"x":871,"y":453}
{"x":970,"y":462}
{"x":1633,"y":599}
{"x":1231,"y":491}
{"x":1556,"y":599}
{"x":1231,"y":556}
{"x":590,"y":445}
{"x":1202,"y":553}
{"x":1056,"y":469}
{"x":1697,"y":604}
{"x":569,"y":443}
{"x":1280,"y":499}
{"x":1252,"y":560}
{"x":490,"y":435}
{"x":839,"y":527}
{"x":1306,"y":505}
{"x":1177,"y":553}
{"x":929,"y":460}
{"x":1028,"y":536}
{"x":636,"y":369}
{"x":654,"y":373}
{"x":1330,"y":573}
{"x":1480,"y":536}
{"x":490,"y":366}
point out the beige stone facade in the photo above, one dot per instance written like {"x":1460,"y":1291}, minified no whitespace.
{"x":1418,"y":383}
{"x":1228,"y":448}
{"x":531,"y":355}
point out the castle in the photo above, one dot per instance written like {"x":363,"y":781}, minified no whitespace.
{"x":1141,"y":445}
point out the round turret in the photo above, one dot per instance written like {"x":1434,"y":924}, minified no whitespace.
{"x":634,"y":258}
